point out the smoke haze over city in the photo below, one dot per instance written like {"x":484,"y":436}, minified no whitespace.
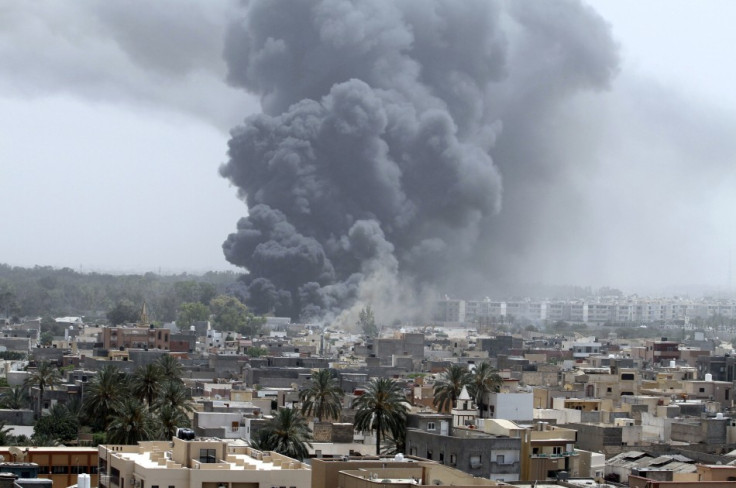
{"x":388,"y":151}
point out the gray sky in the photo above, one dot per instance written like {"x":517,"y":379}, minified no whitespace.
{"x":114,"y":122}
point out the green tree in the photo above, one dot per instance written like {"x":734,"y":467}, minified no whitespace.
{"x":174,"y":395}
{"x":46,"y":375}
{"x":123,"y":312}
{"x":103,"y":395}
{"x":130,"y":423}
{"x":484,"y":379}
{"x":15,"y":398}
{"x":170,"y":366}
{"x":8,"y":301}
{"x":256,"y":351}
{"x":190,"y":312}
{"x":47,"y":337}
{"x":449,"y":385}
{"x":6,"y":438}
{"x":367,"y":322}
{"x":322,"y":397}
{"x":145,"y":384}
{"x":230,"y":314}
{"x":287,"y":433}
{"x":381,"y":408}
{"x":169,"y":419}
{"x":60,"y":424}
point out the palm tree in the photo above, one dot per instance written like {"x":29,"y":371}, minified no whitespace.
{"x":322,"y":397}
{"x":174,"y":394}
{"x":170,"y":368}
{"x":287,"y":433}
{"x":6,"y":434}
{"x":382,"y":407}
{"x":146,"y":383}
{"x":104,"y":394}
{"x":483,"y":380}
{"x":46,"y":375}
{"x":131,"y":423}
{"x":15,"y":398}
{"x":448,"y":387}
{"x":170,"y":419}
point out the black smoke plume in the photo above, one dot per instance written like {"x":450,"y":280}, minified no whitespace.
{"x":391,"y":134}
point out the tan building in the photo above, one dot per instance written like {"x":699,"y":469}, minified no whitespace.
{"x":198,"y":463}
{"x":545,"y":449}
{"x":59,"y":464}
{"x":399,"y":472}
{"x":135,"y":337}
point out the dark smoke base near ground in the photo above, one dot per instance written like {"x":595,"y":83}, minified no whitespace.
{"x":404,"y":147}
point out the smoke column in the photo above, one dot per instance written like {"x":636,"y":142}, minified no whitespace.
{"x":392,"y":136}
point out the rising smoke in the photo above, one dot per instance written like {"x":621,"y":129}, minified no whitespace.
{"x":402,"y":146}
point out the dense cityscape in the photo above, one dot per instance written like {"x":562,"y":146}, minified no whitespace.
{"x":367,"y":244}
{"x":485,"y":392}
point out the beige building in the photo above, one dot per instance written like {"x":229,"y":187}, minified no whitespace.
{"x":197,"y":463}
{"x":398,"y":472}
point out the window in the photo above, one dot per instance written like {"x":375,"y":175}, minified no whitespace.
{"x":442,"y":457}
{"x":429,"y":454}
{"x":702,"y":390}
{"x":59,"y":469}
{"x":627,"y":376}
{"x":500,"y":459}
{"x":207,"y":456}
{"x":475,"y":461}
{"x":453,"y":459}
{"x":430,"y":426}
{"x":609,"y":389}
{"x":556,"y":450}
{"x":78,"y":469}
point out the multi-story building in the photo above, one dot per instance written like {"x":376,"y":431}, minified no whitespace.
{"x":136,"y":337}
{"x":59,"y":464}
{"x":661,"y":352}
{"x":450,"y":310}
{"x":197,"y":463}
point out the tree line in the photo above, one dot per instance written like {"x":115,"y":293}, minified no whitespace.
{"x":44,"y":291}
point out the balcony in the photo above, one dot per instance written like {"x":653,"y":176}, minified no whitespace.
{"x":107,"y":481}
{"x":505,"y":468}
{"x":554,"y":456}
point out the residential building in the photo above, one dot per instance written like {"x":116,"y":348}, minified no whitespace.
{"x":136,"y":337}
{"x":469,"y":449}
{"x":397,"y":471}
{"x":59,"y":464}
{"x":197,"y":463}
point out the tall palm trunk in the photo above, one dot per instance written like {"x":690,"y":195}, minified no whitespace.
{"x":378,"y":436}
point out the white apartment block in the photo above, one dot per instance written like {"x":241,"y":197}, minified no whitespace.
{"x":600,"y":310}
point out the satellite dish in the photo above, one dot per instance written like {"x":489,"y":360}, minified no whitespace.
{"x":17,"y":453}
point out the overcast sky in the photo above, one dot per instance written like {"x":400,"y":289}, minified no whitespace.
{"x":114,"y":122}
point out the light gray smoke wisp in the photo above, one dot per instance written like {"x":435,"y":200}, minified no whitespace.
{"x":371,"y":169}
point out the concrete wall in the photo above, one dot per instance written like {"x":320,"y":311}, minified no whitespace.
{"x":599,"y":438}
{"x":16,"y":417}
